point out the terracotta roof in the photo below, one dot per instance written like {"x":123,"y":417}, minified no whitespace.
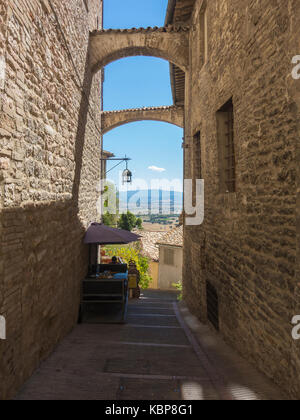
{"x":149,"y":244}
{"x":152,"y":108}
{"x":179,"y":12}
{"x":174,"y":237}
{"x":168,"y":28}
{"x":107,"y":154}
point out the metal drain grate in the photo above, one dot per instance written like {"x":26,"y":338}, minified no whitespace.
{"x":212,"y":300}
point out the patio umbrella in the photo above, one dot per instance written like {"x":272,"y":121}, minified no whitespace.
{"x":100,"y":234}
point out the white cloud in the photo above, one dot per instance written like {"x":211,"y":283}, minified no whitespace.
{"x":156,"y":169}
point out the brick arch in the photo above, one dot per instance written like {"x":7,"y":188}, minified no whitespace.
{"x":170,"y":114}
{"x":169,"y":43}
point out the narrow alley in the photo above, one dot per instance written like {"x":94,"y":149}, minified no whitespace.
{"x":178,"y":122}
{"x":162,"y":353}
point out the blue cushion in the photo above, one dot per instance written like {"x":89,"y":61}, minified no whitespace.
{"x":121,"y":276}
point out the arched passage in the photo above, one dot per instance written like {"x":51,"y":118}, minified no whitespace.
{"x":170,"y":114}
{"x":170,"y":43}
{"x":156,"y":153}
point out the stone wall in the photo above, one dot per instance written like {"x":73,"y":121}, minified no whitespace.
{"x":294,"y":92}
{"x":171,"y":114}
{"x":49,"y":169}
{"x":170,"y":274}
{"x":247,"y":245}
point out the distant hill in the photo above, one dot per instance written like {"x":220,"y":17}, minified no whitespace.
{"x":140,"y":200}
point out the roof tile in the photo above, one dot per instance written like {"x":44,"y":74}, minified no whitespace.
{"x":174,"y":237}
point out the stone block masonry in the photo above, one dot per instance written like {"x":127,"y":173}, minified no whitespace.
{"x":171,"y":114}
{"x":248,"y":246}
{"x":50,"y":146}
{"x":237,"y":59}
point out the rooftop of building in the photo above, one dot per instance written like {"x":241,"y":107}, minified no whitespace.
{"x":107,"y":154}
{"x":179,"y":12}
{"x":172,"y":238}
{"x":149,"y":244}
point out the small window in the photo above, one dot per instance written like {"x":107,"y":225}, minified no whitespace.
{"x":212,"y":301}
{"x":203,"y":34}
{"x":225,"y":129}
{"x":168,"y":256}
{"x":197,"y":156}
{"x":197,"y":173}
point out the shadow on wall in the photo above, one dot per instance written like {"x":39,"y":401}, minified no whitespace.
{"x":81,"y":127}
{"x":296,"y":344}
{"x":43,"y":260}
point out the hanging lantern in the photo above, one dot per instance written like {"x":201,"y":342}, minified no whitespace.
{"x":127,"y":174}
{"x":127,"y":177}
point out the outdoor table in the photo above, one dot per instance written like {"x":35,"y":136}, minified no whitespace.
{"x":112,"y":289}
{"x":99,"y":288}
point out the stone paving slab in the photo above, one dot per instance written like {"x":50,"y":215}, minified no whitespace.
{"x":159,"y":295}
{"x":154,"y":335}
{"x":149,"y":389}
{"x":50,"y":384}
{"x":239,"y":380}
{"x":151,"y":304}
{"x":153,"y":357}
{"x":136,"y":334}
{"x":153,"y":320}
{"x":137,"y":310}
{"x":152,"y":361}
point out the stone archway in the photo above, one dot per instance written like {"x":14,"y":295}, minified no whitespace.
{"x":170,"y":43}
{"x":170,"y":114}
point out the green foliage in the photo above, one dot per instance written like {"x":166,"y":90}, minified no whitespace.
{"x":131,"y":254}
{"x":163,"y":219}
{"x":139,"y":223}
{"x":178,"y":286}
{"x":128,"y":221}
{"x":111,"y":198}
{"x":110,"y":220}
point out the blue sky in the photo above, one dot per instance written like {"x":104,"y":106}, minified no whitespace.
{"x":138,"y":82}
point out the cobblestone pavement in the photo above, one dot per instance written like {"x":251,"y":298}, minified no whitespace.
{"x":161,"y":353}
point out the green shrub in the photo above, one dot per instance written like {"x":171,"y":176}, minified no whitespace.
{"x":178,"y":286}
{"x":129,"y":221}
{"x":110,"y":220}
{"x":131,"y":254}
